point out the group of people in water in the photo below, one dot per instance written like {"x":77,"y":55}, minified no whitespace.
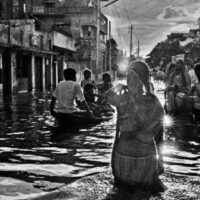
{"x":72,"y":97}
{"x":182,"y":90}
{"x":136,"y":156}
{"x":94,"y":93}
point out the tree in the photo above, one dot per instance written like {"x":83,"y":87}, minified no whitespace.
{"x":164,"y":51}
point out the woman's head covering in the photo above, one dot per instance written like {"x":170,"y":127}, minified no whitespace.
{"x":138,"y":75}
{"x":148,"y":108}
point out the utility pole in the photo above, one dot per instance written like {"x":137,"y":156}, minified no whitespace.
{"x":98,"y":36}
{"x":138,"y":50}
{"x":109,"y":48}
{"x":131,"y":40}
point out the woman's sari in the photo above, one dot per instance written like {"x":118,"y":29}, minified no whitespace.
{"x":135,"y":156}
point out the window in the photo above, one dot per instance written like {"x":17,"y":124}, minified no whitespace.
{"x":15,"y":7}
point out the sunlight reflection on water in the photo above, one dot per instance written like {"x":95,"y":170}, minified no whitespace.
{"x":28,"y":154}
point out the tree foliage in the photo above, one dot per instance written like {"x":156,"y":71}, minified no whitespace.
{"x":164,"y":51}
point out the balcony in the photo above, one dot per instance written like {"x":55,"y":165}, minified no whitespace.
{"x":62,"y":41}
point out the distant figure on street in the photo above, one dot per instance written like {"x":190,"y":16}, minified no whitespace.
{"x":139,"y":127}
{"x":168,"y":74}
{"x":179,"y":87}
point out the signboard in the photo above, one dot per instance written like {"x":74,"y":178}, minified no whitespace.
{"x":63,"y":41}
{"x":35,"y":40}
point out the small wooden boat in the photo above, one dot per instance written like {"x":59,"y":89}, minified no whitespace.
{"x":70,"y":123}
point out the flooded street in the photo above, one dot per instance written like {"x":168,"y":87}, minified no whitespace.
{"x":32,"y":162}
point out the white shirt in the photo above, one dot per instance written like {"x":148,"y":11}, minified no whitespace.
{"x":66,"y":92}
{"x":193,"y":77}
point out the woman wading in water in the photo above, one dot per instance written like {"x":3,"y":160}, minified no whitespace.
{"x":135,"y":161}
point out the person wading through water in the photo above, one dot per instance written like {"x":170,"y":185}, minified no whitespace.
{"x":139,"y":128}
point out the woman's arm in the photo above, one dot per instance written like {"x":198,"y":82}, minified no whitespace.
{"x":112,"y":95}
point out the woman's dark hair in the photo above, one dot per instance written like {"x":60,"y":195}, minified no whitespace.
{"x":69,"y":74}
{"x":197,"y":70}
{"x":171,"y":67}
{"x":107,"y":76}
{"x":180,"y":61}
{"x":87,"y":73}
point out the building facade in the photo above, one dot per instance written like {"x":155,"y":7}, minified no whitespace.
{"x":79,"y":20}
{"x":39,"y":38}
{"x":31,"y":58}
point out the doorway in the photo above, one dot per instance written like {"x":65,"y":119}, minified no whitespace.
{"x":38,"y":73}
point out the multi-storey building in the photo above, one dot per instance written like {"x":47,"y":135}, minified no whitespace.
{"x":38,"y":41}
{"x":78,"y":18}
{"x":29,"y":54}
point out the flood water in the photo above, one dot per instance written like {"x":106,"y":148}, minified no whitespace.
{"x":32,"y":162}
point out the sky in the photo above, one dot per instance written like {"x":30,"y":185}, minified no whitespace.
{"x":152,"y":21}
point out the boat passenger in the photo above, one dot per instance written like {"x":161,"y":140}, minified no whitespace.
{"x":179,"y":87}
{"x":65,"y":95}
{"x":88,"y":85}
{"x":139,"y":121}
{"x":104,"y":86}
{"x":87,"y":78}
{"x":168,"y":73}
